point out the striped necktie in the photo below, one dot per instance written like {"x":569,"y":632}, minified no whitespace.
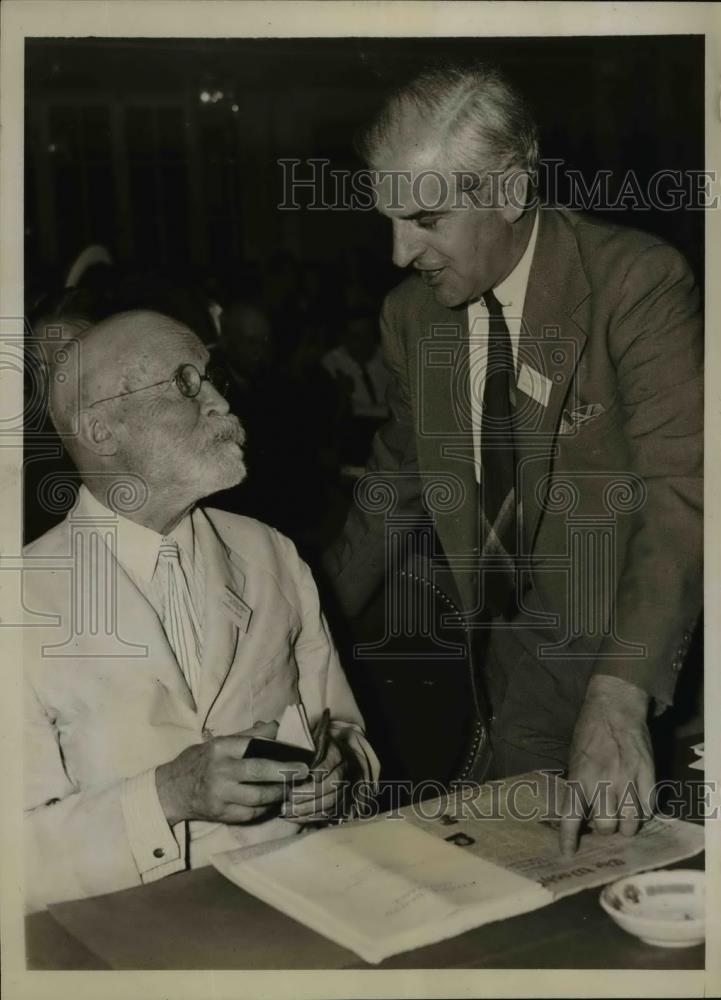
{"x":180,"y":618}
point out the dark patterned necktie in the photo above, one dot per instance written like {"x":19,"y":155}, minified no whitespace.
{"x":498,"y":461}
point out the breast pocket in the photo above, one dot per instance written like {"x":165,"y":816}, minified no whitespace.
{"x":598,"y":439}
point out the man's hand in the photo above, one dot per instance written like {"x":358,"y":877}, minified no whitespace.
{"x":213,"y":781}
{"x":610,"y":759}
{"x":314,"y":800}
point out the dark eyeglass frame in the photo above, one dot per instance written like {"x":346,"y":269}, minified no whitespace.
{"x":213,"y":373}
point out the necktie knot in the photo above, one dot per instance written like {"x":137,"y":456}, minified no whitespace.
{"x":179,"y":615}
{"x":169,"y":550}
{"x":494,"y":307}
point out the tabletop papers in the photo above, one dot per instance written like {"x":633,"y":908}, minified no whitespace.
{"x":444,"y":865}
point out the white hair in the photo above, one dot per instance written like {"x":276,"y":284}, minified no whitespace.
{"x":474,"y":115}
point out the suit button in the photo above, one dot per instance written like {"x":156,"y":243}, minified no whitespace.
{"x":158,"y":852}
{"x":207,"y":735}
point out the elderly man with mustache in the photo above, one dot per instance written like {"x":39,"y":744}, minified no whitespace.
{"x":167,"y":634}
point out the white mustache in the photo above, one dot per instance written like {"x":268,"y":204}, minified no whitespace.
{"x":231,"y":431}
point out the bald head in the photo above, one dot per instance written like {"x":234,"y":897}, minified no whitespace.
{"x":124,"y":348}
{"x":123,"y":413}
{"x":113,"y":355}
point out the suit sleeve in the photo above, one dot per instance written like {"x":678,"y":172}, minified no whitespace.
{"x":86,"y":842}
{"x":656,"y":343}
{"x":356,"y":563}
{"x":321,"y":680}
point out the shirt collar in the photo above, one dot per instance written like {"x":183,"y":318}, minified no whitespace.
{"x":137,"y":546}
{"x":512,"y":290}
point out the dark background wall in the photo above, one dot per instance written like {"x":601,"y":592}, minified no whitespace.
{"x":120,"y":149}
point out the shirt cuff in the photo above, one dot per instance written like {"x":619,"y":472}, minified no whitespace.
{"x":158,"y":849}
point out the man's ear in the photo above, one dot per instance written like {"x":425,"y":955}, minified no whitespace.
{"x":514,"y":194}
{"x":96,"y":434}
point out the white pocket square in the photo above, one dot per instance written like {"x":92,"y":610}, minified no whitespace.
{"x":573,"y":419}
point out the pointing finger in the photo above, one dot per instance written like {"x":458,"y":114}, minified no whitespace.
{"x":570,"y":825}
{"x":605,"y":811}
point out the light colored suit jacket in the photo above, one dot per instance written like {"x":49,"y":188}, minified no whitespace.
{"x":612,"y":440}
{"x":106,"y":701}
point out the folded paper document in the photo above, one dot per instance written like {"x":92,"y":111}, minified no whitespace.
{"x":293,"y":727}
{"x":382,"y":887}
{"x":425,"y":873}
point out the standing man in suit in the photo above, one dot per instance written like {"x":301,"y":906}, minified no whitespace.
{"x":162,"y":635}
{"x":546,"y":373}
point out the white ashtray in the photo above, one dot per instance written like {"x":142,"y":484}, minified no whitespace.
{"x":663,"y":908}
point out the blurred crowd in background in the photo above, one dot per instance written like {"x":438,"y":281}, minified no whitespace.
{"x":300,"y":344}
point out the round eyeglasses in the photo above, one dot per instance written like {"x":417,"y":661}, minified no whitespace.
{"x":188,"y":380}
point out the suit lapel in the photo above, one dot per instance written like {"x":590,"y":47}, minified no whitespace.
{"x":127,"y":626}
{"x":223,"y":573}
{"x":439,"y":369}
{"x":552,"y":339}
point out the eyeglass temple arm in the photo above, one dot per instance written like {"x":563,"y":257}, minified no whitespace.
{"x":130,"y":392}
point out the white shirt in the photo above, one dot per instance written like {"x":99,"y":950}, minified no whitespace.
{"x":157,"y":848}
{"x":511,"y":294}
{"x":138,"y":549}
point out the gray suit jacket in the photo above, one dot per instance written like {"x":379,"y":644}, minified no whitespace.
{"x":610,"y":450}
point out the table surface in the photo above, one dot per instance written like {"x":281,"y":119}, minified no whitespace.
{"x":200,"y":920}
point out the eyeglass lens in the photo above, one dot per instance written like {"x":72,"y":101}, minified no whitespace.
{"x":189,"y":380}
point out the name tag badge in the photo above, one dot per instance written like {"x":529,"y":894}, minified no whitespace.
{"x":534,"y":384}
{"x":237,"y":610}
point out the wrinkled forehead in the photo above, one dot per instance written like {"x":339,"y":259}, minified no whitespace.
{"x":417,"y":170}
{"x":127,"y":352}
{"x":161,"y":352}
{"x":416,"y":176}
{"x":402,"y":192}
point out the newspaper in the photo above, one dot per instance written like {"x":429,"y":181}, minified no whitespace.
{"x":515,"y":825}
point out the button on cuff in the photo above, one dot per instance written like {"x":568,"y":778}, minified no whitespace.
{"x":157,"y":849}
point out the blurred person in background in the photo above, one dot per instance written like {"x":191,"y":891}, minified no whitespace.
{"x":358,"y":367}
